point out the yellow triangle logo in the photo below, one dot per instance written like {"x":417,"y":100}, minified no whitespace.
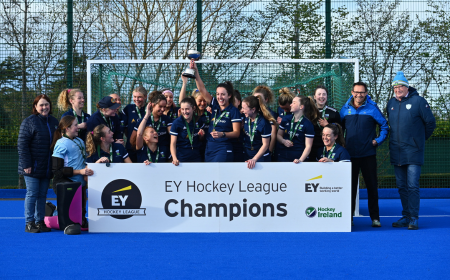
{"x":133,"y":121}
{"x":123,"y":189}
{"x":318,"y":177}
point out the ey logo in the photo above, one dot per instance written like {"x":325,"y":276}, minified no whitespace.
{"x":311,"y":187}
{"x":119,"y":200}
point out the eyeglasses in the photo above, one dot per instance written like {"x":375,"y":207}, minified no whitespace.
{"x":359,"y":92}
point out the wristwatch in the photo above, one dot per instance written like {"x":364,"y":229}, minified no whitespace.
{"x":223,"y":134}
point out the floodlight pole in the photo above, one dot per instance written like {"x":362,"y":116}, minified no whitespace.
{"x":199,"y":30}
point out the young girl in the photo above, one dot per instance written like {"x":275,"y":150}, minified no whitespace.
{"x":296,"y":132}
{"x":258,"y":129}
{"x":101,"y":148}
{"x":226,"y":122}
{"x":72,"y":101}
{"x":69,"y":158}
{"x":148,"y":149}
{"x":326,"y":115}
{"x":156,"y":119}
{"x":186,"y":132}
{"x":334,"y":143}
{"x":171,"y":110}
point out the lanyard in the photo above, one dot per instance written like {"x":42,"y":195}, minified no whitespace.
{"x":293,"y":130}
{"x":76,"y":117}
{"x":80,"y":146}
{"x":323,"y":115}
{"x":139,"y":111}
{"x":325,"y":151}
{"x":156,"y":123}
{"x":252,"y":131}
{"x":206,"y":115}
{"x":216,"y":120}
{"x":108,"y":123}
{"x":150,"y":157}
{"x":110,"y":153}
{"x":190,"y":135}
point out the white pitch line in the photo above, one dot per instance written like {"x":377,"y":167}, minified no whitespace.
{"x":12,"y":218}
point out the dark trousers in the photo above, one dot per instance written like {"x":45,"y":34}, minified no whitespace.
{"x":368,"y":167}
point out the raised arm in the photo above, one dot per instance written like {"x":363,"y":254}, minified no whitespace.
{"x":183,"y":89}
{"x":201,"y":86}
{"x":140,"y":132}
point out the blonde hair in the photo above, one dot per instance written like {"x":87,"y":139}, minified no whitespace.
{"x":141,"y":90}
{"x":286,"y":96}
{"x":64,"y":98}
{"x":266,"y":92}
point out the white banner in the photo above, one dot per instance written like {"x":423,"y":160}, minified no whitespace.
{"x":220,"y":197}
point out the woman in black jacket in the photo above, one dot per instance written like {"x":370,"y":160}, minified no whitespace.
{"x":35,"y":138}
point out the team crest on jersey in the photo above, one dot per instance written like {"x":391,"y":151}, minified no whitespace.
{"x":207,"y":119}
{"x":164,"y":123}
{"x":392,"y":109}
{"x":332,"y":155}
{"x":162,"y":154}
{"x":196,"y":125}
{"x":56,"y":127}
{"x":227,"y":115}
{"x":117,"y":152}
{"x":408,"y":106}
{"x":349,"y":111}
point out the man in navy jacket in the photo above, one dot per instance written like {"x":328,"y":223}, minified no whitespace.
{"x":360,"y":117}
{"x":412,"y":122}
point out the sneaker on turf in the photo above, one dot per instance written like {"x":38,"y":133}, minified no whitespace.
{"x":414,"y":223}
{"x":403,"y":222}
{"x":376,"y":223}
{"x":42,"y":227}
{"x":31,"y":227}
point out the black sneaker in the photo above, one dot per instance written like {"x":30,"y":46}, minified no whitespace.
{"x":31,"y":227}
{"x":42,"y":227}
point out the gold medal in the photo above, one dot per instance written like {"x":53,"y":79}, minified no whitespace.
{"x":187,"y":136}
{"x":214,"y":129}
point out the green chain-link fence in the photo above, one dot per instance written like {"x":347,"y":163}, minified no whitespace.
{"x":44,"y":46}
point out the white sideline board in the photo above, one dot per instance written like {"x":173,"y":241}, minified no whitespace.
{"x":220,"y":197}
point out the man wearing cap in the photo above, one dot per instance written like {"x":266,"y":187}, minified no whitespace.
{"x":106,"y":114}
{"x":411,"y":122}
{"x":119,"y":114}
{"x":360,"y":117}
{"x":130,"y":116}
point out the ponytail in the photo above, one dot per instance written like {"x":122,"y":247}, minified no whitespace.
{"x":93,"y":139}
{"x":285,"y":96}
{"x":156,"y":96}
{"x":310,"y":110}
{"x":64,"y":123}
{"x":64,"y":98}
{"x":337,"y":130}
{"x":266,"y":92}
{"x":259,"y":104}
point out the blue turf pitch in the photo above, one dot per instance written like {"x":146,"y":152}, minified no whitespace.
{"x":365,"y":253}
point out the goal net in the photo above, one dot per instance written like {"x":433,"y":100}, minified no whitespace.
{"x":300,"y":75}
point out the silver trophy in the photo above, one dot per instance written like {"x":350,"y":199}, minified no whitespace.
{"x":193,"y":56}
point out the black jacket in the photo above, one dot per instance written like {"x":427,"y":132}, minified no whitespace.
{"x":35,"y":138}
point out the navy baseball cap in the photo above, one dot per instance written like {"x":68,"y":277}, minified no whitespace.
{"x":108,"y":102}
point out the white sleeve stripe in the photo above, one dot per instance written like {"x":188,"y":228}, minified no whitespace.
{"x":309,"y":135}
{"x":265,"y":136}
{"x":169,"y":124}
{"x":125,"y":156}
{"x":281,"y":127}
{"x":174,"y":133}
{"x":345,"y":160}
{"x":236,"y":120}
{"x":136,"y":128}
